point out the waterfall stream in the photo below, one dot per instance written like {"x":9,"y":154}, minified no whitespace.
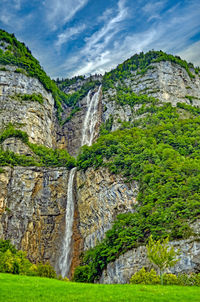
{"x":88,"y":135}
{"x":65,"y":259}
{"x":91,"y":118}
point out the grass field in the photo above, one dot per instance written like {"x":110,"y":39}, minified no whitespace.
{"x":14,"y":288}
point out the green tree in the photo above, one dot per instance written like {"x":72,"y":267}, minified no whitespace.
{"x":162,"y":255}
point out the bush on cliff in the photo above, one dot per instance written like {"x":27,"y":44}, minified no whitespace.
{"x":44,"y":156}
{"x":150,"y":277}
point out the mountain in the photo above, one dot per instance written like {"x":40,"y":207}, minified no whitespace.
{"x":97,"y":164}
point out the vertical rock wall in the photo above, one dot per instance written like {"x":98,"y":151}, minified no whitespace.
{"x":34,"y":118}
{"x":121,"y":270}
{"x":32,"y":210}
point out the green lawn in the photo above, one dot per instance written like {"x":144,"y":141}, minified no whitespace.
{"x":14,"y":288}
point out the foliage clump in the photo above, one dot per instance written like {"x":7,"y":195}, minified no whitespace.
{"x":34,"y":97}
{"x":44,"y":156}
{"x":162,"y":255}
{"x":161,"y":153}
{"x":150,"y":277}
{"x":19,"y":55}
{"x":15,"y":262}
{"x":145,"y":277}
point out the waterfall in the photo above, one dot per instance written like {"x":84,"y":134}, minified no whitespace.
{"x":65,"y":259}
{"x":91,"y":118}
{"x":88,"y":135}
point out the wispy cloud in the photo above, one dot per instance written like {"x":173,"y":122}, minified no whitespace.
{"x":95,"y":45}
{"x":105,"y":49}
{"x":69,"y":33}
{"x":9,"y":14}
{"x":58,"y":12}
{"x":191,"y":53}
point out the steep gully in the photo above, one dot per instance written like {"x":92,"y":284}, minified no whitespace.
{"x":88,"y":136}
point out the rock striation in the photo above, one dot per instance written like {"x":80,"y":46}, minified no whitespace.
{"x":101,"y":196}
{"x":34,"y":118}
{"x":121,"y":270}
{"x":32,"y":210}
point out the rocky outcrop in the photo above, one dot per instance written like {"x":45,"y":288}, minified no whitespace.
{"x":17,"y":146}
{"x":121,"y":270}
{"x":167,"y":81}
{"x":32,"y":210}
{"x":101,"y":196}
{"x":34,"y":118}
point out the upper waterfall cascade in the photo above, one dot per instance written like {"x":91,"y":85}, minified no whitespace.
{"x":91,"y":118}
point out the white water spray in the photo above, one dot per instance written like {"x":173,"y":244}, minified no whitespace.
{"x":88,"y":135}
{"x":65,"y":259}
{"x":91,"y":118}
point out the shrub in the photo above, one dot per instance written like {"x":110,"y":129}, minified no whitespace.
{"x":81,"y":274}
{"x":161,"y":254}
{"x":46,"y":270}
{"x":170,"y":279}
{"x":15,"y":263}
{"x":188,"y":280}
{"x":6,"y":245}
{"x":145,"y":277}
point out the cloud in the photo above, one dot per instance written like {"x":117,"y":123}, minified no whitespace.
{"x":69,"y":33}
{"x":191,"y":53}
{"x":106,"y":48}
{"x":100,"y":38}
{"x":153,"y":7}
{"x":59,"y":12}
{"x":95,"y":46}
{"x":9,"y":15}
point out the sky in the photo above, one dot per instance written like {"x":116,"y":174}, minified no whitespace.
{"x":83,"y":37}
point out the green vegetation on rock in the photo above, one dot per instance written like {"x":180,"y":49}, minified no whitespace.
{"x":145,"y":277}
{"x":14,"y":261}
{"x":140,"y":63}
{"x":19,"y":55}
{"x":44,"y":156}
{"x":125,"y":96}
{"x":35,"y":97}
{"x":73,"y":98}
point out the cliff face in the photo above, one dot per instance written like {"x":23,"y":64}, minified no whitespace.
{"x":32,"y":210}
{"x":121,"y":270}
{"x":33,"y":199}
{"x":100,"y":198}
{"x":165,"y":81}
{"x":34,"y":118}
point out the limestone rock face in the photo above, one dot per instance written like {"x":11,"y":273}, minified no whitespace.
{"x":34,"y":118}
{"x":121,"y":270}
{"x":101,"y":196}
{"x":32,"y":210}
{"x":166,"y":81}
{"x":17,"y":146}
